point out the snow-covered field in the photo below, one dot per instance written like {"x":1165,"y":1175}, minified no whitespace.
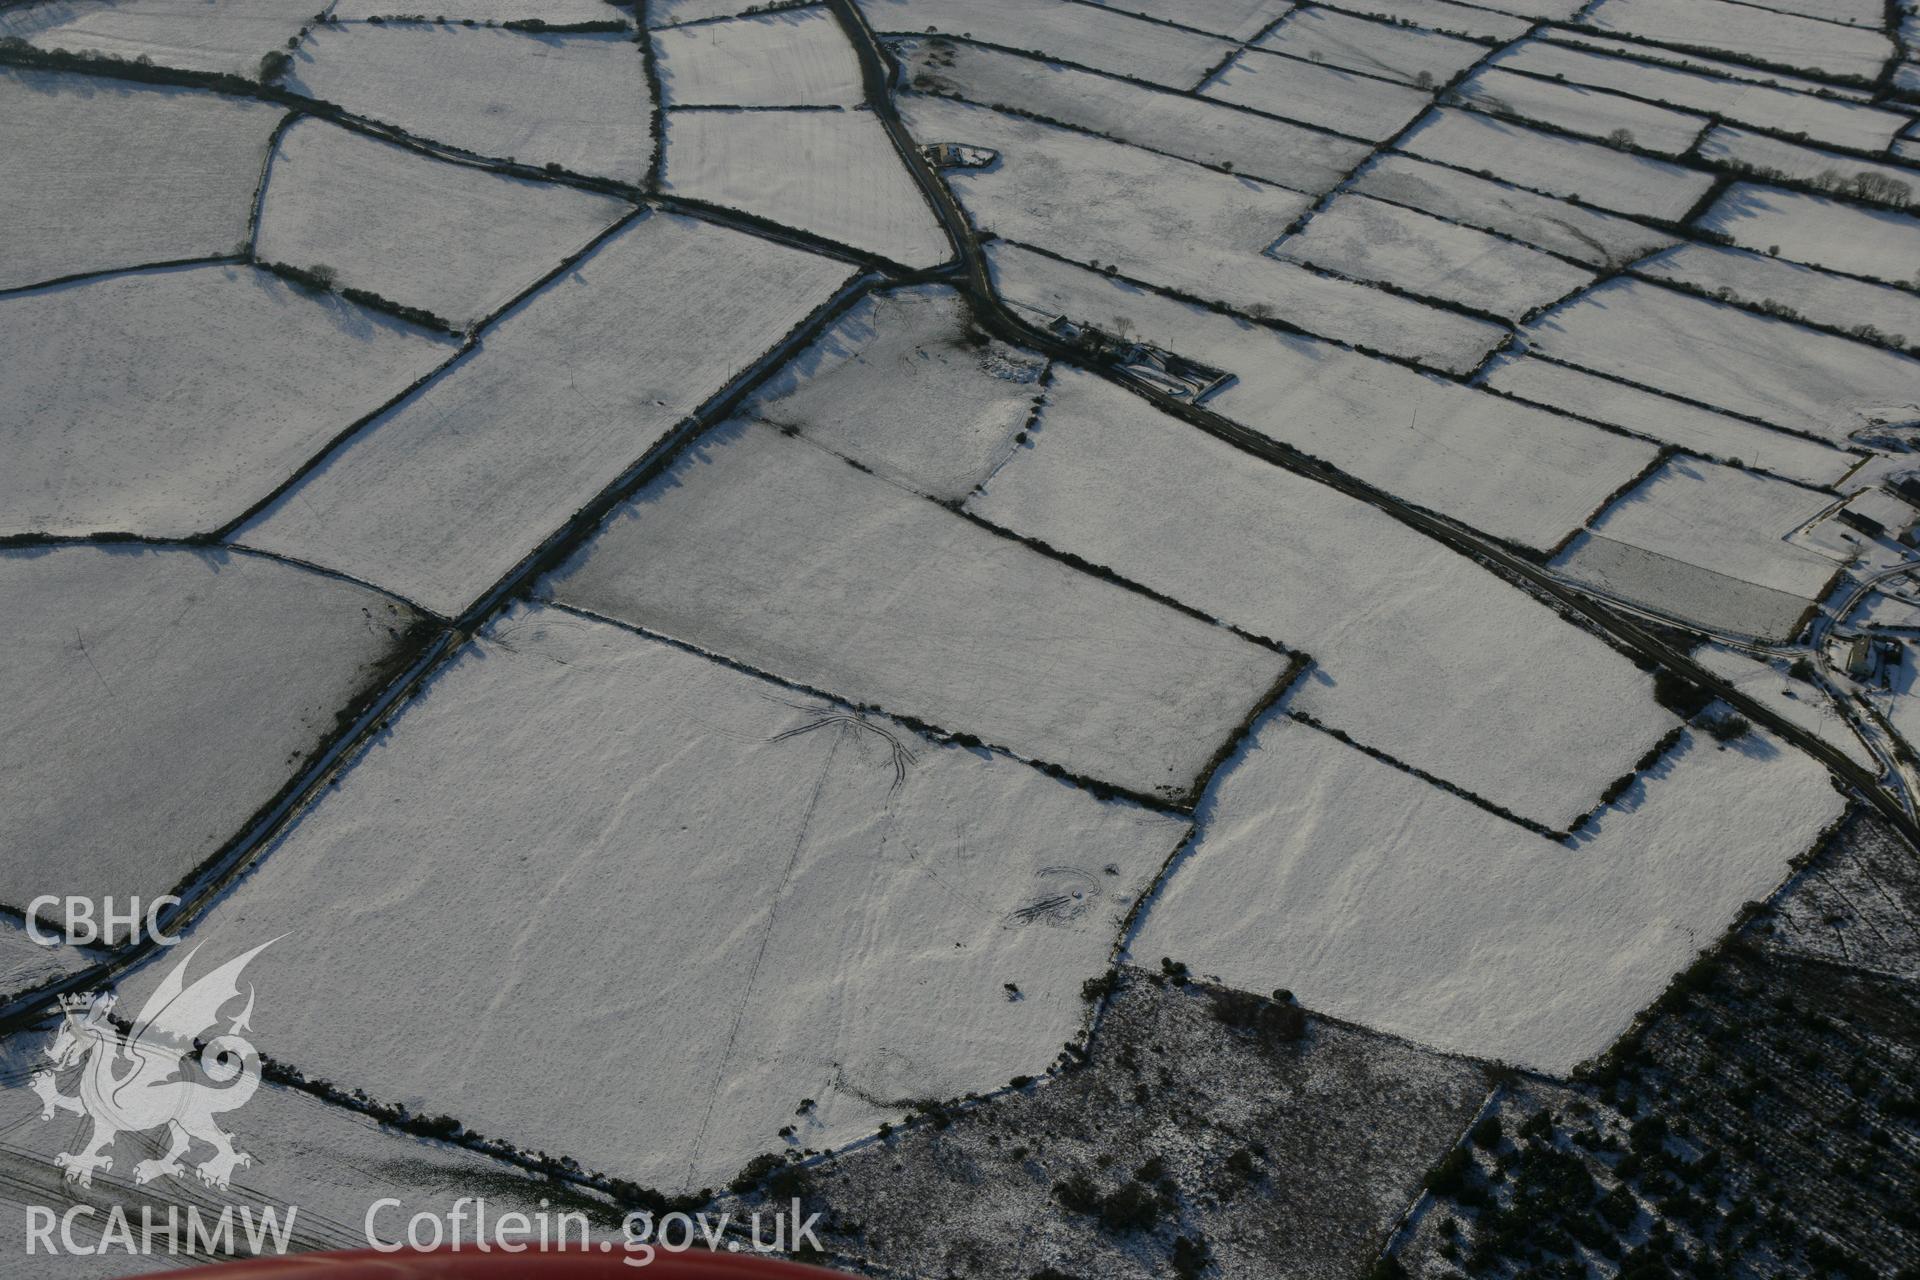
{"x":326,"y":1163}
{"x":1367,"y":239}
{"x":158,"y":696}
{"x":787,"y":59}
{"x":1545,"y":10}
{"x":1480,"y":22}
{"x":1882,"y":610}
{"x":577,"y":101}
{"x":904,"y":385}
{"x":667,"y":13}
{"x":448,"y":491}
{"x":1102,"y":40}
{"x":227,"y":36}
{"x":168,"y":402}
{"x":1899,"y":702}
{"x":1733,"y":521}
{"x":1283,"y":557}
{"x":792,"y":550}
{"x":1379,"y":898}
{"x":1819,"y":231}
{"x":1184,"y":228}
{"x":775,"y":552}
{"x":829,"y":172}
{"x":1680,"y":588}
{"x":1819,"y":297}
{"x":1830,"y":120}
{"x":1720,"y":355}
{"x":1234,"y":19}
{"x":458,"y":242}
{"x":70,"y":145}
{"x":1558,"y":166}
{"x":1360,"y":106}
{"x":557,"y":12}
{"x":1593,"y":113}
{"x":1722,"y":520}
{"x":1657,"y":55}
{"x":1371,"y":47}
{"x":667,"y":901}
{"x":1193,"y":128}
{"x":1855,"y":13}
{"x":25,"y":964}
{"x":1747,"y":31}
{"x":1663,"y":418}
{"x":1519,"y":473}
{"x":1744,"y":151}
{"x":1572,"y":231}
{"x":1104,"y":201}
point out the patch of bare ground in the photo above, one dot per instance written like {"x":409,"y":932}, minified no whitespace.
{"x":1207,"y":1133}
{"x":1857,"y":904}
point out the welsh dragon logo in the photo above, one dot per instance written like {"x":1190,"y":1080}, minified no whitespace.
{"x":157,"y":1074}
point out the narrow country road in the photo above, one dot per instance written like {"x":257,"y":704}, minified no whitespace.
{"x":993,"y":315}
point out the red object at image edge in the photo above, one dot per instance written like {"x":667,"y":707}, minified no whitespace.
{"x":471,"y":1264}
